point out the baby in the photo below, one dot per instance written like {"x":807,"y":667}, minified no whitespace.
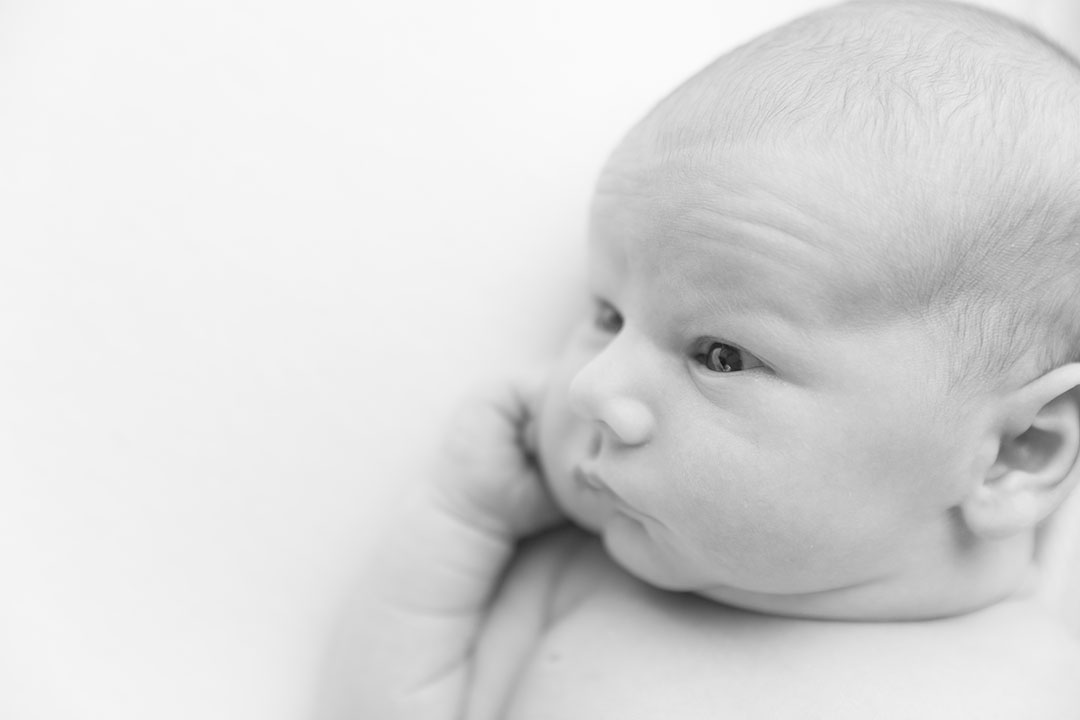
{"x":828,"y":394}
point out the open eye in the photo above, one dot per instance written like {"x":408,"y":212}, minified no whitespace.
{"x":606,"y":318}
{"x":723,"y":358}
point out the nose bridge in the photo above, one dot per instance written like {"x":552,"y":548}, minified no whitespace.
{"x":611,"y":390}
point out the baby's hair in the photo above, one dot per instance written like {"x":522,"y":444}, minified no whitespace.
{"x":967,"y":126}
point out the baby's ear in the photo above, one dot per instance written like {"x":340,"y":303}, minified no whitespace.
{"x":1038,"y":459}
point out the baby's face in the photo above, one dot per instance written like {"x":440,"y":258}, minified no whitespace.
{"x":726,"y":417}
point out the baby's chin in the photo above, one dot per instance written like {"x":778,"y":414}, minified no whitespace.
{"x":588,"y":513}
{"x":627,"y":541}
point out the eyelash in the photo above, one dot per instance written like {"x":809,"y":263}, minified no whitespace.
{"x":608,"y":320}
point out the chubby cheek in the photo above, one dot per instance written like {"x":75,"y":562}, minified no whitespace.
{"x":768,"y":516}
{"x":723,"y":505}
{"x":563,"y":436}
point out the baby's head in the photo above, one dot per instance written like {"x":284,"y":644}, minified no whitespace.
{"x":833,"y":360}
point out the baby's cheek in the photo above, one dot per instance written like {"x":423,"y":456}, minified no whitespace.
{"x":559,"y":424}
{"x":739,"y":506}
{"x":560,"y":433}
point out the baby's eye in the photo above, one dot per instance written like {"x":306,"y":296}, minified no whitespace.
{"x":606,"y":318}
{"x":723,"y":358}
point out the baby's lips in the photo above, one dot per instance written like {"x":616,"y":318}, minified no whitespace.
{"x":588,"y":479}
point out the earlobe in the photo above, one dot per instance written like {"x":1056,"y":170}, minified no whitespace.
{"x":1038,"y":459}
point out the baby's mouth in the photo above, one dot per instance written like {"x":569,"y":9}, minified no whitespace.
{"x":595,"y":503}
{"x":589,"y":480}
{"x":601,"y":496}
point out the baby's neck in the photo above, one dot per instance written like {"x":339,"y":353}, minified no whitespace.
{"x":981,"y":575}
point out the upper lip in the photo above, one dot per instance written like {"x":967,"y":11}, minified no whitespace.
{"x":590,"y":478}
{"x":594,"y":480}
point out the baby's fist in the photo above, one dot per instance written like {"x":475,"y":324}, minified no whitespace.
{"x":489,"y":472}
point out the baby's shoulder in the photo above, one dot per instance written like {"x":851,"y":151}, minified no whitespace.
{"x":1010,"y":661}
{"x":1014,"y":660}
{"x":611,"y":641}
{"x":572,"y":635}
{"x":525,"y":604}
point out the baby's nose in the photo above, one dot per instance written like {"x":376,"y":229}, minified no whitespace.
{"x":595,"y":396}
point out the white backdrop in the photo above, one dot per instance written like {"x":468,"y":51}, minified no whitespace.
{"x":250,"y":252}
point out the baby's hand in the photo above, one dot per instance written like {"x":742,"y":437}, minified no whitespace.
{"x":488,"y":473}
{"x":406,"y":647}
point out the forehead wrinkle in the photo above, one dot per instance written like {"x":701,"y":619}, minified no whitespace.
{"x":664,"y":198}
{"x":848,"y":230}
{"x":755,"y":276}
{"x":772,"y":233}
{"x":687,"y":188}
{"x":810,"y":208}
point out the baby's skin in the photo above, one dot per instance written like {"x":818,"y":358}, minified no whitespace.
{"x":483,"y":604}
{"x":763,"y":479}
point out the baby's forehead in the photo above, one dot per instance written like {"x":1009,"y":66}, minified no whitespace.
{"x":809,"y":188}
{"x":755,"y":218}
